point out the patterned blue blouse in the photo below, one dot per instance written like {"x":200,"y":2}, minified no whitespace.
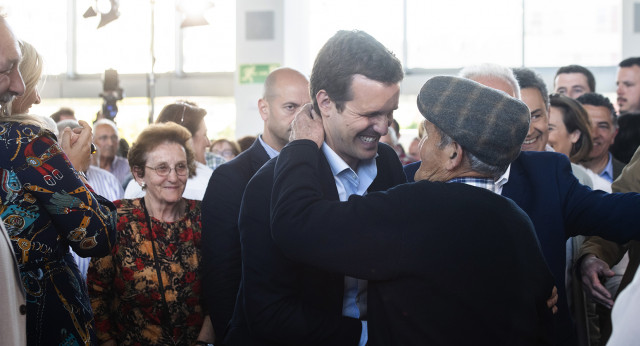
{"x":46,"y":208}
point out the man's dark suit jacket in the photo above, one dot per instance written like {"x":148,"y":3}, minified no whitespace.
{"x":541,"y":183}
{"x":618,"y":166}
{"x":221,"y":263}
{"x":449,"y":263}
{"x":285,"y":302}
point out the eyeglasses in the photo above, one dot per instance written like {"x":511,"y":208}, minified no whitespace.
{"x":224,"y":153}
{"x":163,"y":170}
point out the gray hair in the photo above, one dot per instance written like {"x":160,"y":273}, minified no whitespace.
{"x":104,"y":121}
{"x":491,"y":71}
{"x":528,"y":78}
{"x":475,"y":163}
{"x":63,"y":124}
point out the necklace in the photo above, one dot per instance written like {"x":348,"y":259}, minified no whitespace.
{"x":156,"y":265}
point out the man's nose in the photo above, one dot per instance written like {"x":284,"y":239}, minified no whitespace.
{"x":38,"y":99}
{"x":17,"y":84}
{"x":381,"y":124}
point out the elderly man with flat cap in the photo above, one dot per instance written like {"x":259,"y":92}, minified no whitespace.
{"x":449,"y":261}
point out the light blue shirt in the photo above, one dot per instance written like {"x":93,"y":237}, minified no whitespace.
{"x":270,"y":151}
{"x":607,"y":173}
{"x":349,"y":183}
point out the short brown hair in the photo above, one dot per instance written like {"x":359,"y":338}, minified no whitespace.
{"x":234,"y":146}
{"x":154,"y":135}
{"x":184,"y":113}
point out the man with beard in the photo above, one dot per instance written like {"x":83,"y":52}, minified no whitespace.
{"x":628,"y":82}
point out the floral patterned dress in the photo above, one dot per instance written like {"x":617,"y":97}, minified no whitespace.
{"x":46,"y":209}
{"x":129,"y":303}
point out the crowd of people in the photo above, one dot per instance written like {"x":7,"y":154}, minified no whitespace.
{"x":509,"y":220}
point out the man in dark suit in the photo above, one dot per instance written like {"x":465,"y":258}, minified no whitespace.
{"x":449,"y":263}
{"x":355,"y":86}
{"x":541,"y":183}
{"x":285,"y":91}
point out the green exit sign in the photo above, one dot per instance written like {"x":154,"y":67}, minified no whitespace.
{"x":255,"y":73}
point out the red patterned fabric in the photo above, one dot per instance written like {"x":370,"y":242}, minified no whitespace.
{"x":124,"y":289}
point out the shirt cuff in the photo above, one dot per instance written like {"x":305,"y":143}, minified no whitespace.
{"x":364,"y":337}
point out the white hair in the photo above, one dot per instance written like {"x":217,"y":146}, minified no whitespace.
{"x":492,"y":71}
{"x":104,"y":121}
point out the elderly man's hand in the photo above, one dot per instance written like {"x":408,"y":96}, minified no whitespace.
{"x":553,"y":300}
{"x":593,"y":269}
{"x":307,"y":125}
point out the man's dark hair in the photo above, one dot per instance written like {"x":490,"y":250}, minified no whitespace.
{"x":346,"y":54}
{"x":396,"y":126}
{"x":595,"y":99}
{"x":591,"y":80}
{"x":62,"y":111}
{"x":628,"y":137}
{"x":629,"y":62}
{"x":527,"y":78}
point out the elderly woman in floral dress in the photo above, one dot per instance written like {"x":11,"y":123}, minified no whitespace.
{"x":147,"y":291}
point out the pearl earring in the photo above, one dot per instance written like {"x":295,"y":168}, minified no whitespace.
{"x":143,"y":185}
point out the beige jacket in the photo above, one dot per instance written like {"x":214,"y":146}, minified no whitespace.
{"x":13,"y":319}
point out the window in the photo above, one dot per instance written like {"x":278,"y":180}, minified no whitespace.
{"x":33,"y":21}
{"x":212,"y":48}
{"x":125,"y":43}
{"x":586,"y":32}
{"x":453,"y":34}
{"x":381,"y":19}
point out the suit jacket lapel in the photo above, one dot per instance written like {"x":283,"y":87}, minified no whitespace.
{"x":258,"y":155}
{"x":515,"y":189}
{"x":327,"y":180}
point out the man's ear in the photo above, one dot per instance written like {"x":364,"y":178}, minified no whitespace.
{"x":263,"y":108}
{"x":324,"y":102}
{"x":454,"y":154}
{"x":574,"y":136}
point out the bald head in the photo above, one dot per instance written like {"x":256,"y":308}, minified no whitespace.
{"x":279,"y":77}
{"x":285,"y":91}
{"x":11,"y":83}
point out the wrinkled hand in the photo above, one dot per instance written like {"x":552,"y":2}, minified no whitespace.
{"x":553,"y":300}
{"x":76,"y":144}
{"x":307,"y":125}
{"x":593,"y":269}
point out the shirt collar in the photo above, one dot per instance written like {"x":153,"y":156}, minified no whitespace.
{"x":485,"y":183}
{"x":504,"y":178}
{"x":607,"y":173}
{"x":270,"y":151}
{"x":355,"y":182}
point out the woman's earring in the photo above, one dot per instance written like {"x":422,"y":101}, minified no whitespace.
{"x":143,"y":185}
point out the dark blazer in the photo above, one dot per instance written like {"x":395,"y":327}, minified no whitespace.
{"x":285,"y":302}
{"x":221,"y":262}
{"x":449,"y":264}
{"x":541,"y":183}
{"x":617,"y":167}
